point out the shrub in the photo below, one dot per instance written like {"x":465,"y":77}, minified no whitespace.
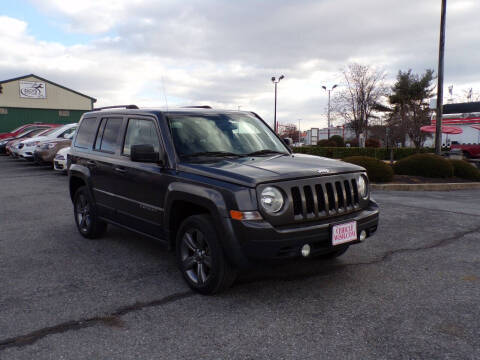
{"x":377,"y":170}
{"x":326,"y":143}
{"x":427,"y":165}
{"x":343,"y":152}
{"x":465,"y":170}
{"x":373,"y":143}
{"x":338,"y":140}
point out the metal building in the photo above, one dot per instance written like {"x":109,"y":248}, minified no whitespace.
{"x":31,"y":98}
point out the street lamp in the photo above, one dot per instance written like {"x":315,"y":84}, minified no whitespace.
{"x":328,"y":116}
{"x":299,"y":132}
{"x":275,"y":81}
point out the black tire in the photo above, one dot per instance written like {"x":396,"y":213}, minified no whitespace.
{"x":335,"y":253}
{"x":200,"y":256}
{"x":88,"y":223}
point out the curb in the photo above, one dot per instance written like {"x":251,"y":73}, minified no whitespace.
{"x":426,"y":187}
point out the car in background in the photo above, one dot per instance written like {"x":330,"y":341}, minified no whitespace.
{"x":46,"y":150}
{"x":11,"y":147}
{"x":27,"y":147}
{"x":60,"y":160}
{"x":26,"y":134}
{"x":23,"y":128}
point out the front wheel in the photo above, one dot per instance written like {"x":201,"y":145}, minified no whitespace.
{"x":88,"y":223}
{"x":200,"y":256}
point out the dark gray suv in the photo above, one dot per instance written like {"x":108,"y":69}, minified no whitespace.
{"x":220,"y":188}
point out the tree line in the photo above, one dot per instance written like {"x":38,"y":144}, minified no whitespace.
{"x":403,"y":108}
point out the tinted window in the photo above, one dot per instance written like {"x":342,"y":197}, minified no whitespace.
{"x":140,"y":132}
{"x":86,"y":132}
{"x":108,"y":134}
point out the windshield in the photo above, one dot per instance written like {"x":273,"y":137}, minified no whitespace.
{"x":49,"y":131}
{"x":223,"y":134}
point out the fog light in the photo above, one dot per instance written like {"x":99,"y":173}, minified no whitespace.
{"x":363,"y":235}
{"x":305,"y":250}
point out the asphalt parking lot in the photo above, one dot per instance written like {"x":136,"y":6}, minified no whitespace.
{"x":410,"y":292}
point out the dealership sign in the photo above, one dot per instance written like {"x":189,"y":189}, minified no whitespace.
{"x":33,"y":90}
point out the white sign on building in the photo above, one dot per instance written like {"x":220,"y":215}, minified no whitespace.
{"x":33,"y":90}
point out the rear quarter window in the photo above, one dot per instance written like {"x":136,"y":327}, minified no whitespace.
{"x":86,"y":133}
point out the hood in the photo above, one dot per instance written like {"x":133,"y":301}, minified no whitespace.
{"x":38,"y":138}
{"x":251,"y":171}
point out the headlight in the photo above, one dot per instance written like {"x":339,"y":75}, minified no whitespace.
{"x":362,"y":186}
{"x":47,"y":146}
{"x":59,"y":157}
{"x":271,"y":200}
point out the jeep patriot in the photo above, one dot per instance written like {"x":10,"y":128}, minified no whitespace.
{"x":220,"y":188}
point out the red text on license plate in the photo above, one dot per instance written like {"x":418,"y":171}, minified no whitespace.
{"x":343,"y":233}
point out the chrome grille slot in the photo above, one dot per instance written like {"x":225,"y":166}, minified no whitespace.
{"x":322,"y":205}
{"x":340,"y":196}
{"x":310,"y":207}
{"x":297,"y":201}
{"x":348,"y":193}
{"x":355,"y":191}
{"x":332,"y":201}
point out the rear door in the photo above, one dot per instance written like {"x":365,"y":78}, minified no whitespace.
{"x":102,"y":164}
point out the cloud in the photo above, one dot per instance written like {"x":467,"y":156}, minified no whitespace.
{"x":224,"y":52}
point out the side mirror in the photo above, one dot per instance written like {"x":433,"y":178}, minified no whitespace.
{"x":288,"y":141}
{"x":144,"y":153}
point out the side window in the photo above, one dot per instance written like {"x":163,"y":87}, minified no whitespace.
{"x":67,"y":133}
{"x":86,"y":133}
{"x":108,"y":134}
{"x":140,"y":132}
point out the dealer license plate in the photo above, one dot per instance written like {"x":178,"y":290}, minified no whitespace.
{"x":343,"y":233}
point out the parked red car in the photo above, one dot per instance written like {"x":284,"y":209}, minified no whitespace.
{"x":469,"y":150}
{"x":23,"y":128}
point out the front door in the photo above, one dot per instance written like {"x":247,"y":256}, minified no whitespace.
{"x":140,"y":186}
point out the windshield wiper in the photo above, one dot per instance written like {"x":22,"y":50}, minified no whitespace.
{"x":266,"y":152}
{"x":212,"y":153}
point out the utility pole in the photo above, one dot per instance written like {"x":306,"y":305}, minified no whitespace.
{"x":275,"y":81}
{"x":328,"y":111}
{"x":441,"y":55}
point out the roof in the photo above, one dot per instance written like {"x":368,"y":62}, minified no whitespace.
{"x":51,"y":82}
{"x":458,"y":108}
{"x":179,"y":111}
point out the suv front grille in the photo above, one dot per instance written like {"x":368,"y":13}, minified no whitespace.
{"x":314,"y":201}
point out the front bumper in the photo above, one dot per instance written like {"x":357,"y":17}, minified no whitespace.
{"x":259,"y":240}
{"x":43,"y":156}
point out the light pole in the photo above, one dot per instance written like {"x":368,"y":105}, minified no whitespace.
{"x":328,"y":116}
{"x":275,"y":81}
{"x":299,"y":131}
{"x":441,"y":54}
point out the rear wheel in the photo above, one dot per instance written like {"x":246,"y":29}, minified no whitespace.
{"x":88,"y":223}
{"x":200,"y":256}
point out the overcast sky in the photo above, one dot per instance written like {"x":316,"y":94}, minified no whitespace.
{"x":224,"y":52}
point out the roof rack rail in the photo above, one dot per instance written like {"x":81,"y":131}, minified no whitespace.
{"x":117,"y":107}
{"x":198,"y":107}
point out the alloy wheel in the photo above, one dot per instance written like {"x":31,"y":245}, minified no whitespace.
{"x":196,"y":257}
{"x":83,"y":213}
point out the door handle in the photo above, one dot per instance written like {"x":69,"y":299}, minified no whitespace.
{"x":120,"y":169}
{"x":90,"y":162}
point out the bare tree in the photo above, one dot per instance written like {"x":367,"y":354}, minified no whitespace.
{"x":357,"y":102}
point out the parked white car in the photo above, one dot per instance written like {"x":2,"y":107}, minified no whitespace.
{"x":26,"y":148}
{"x":60,"y":160}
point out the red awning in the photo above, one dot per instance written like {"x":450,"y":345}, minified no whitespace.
{"x":445,"y":129}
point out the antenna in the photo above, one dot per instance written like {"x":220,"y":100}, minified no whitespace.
{"x":164,"y":93}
